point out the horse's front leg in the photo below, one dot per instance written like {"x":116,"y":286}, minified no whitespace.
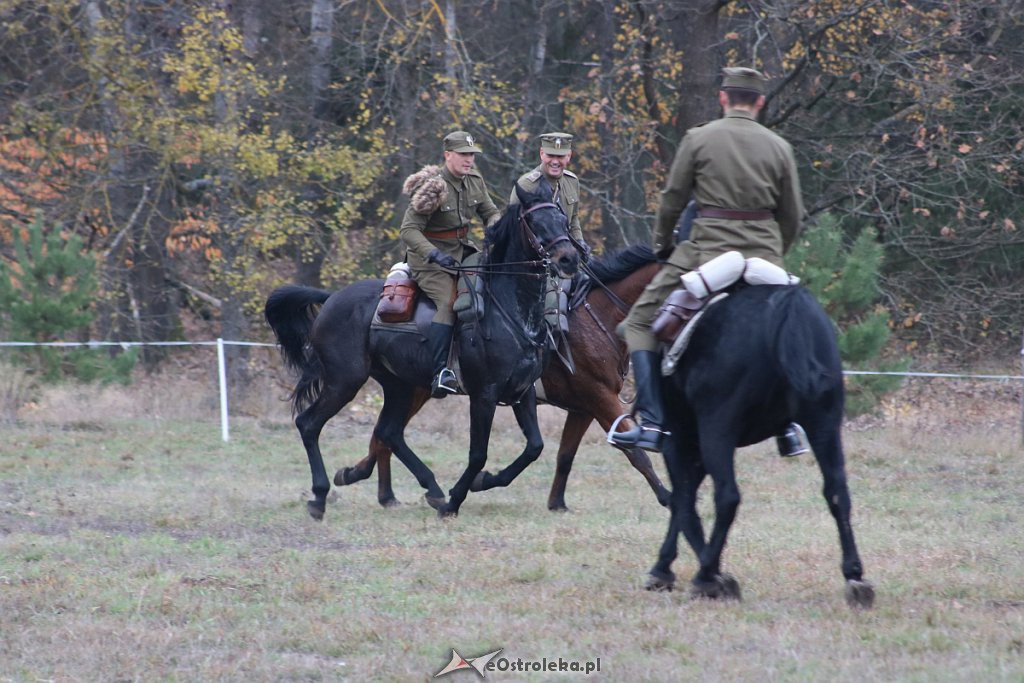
{"x":481,"y":417}
{"x":526,"y":415}
{"x":573,"y":430}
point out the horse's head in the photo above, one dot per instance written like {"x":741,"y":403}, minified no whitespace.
{"x":546,"y":228}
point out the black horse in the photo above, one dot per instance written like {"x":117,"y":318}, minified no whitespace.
{"x":760,"y":359}
{"x":501,"y":355}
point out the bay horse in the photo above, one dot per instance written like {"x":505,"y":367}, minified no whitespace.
{"x":590,"y":393}
{"x":501,"y":356}
{"x":761,"y":358}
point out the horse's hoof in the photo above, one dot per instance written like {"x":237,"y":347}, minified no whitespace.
{"x":436,"y":502}
{"x":664,"y":498}
{"x":722,"y":587}
{"x":558,"y":507}
{"x":860,"y":594}
{"x":391,"y":502}
{"x":342,"y":477}
{"x":446,"y":512}
{"x":478,"y":481}
{"x":660,"y":582}
{"x":316,"y":510}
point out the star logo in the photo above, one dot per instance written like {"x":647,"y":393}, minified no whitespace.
{"x":469,"y":139}
{"x":460,"y":662}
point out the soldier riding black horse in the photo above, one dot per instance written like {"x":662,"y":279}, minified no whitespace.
{"x":761,"y":358}
{"x":500,"y":356}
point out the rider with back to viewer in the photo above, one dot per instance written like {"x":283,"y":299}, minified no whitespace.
{"x":744,"y":180}
{"x":443,"y":201}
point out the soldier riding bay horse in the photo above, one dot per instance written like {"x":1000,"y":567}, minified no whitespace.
{"x":763,"y":357}
{"x":501,"y":356}
{"x":589,"y":394}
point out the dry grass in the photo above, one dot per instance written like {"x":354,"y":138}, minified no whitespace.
{"x":135,"y":546}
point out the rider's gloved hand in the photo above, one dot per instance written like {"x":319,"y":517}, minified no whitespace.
{"x":442,"y":259}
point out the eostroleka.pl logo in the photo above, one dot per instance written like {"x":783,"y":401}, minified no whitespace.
{"x":459,"y":662}
{"x":487,"y":662}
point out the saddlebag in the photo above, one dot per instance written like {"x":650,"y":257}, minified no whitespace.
{"x":398,"y":298}
{"x":679,"y":307}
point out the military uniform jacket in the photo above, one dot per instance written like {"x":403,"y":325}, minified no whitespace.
{"x":732,"y":163}
{"x":568,"y":190}
{"x":467,"y":197}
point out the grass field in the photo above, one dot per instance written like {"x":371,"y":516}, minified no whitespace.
{"x":145,"y":549}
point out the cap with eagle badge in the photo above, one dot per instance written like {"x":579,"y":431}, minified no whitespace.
{"x":462,"y":142}
{"x":556,"y":144}
{"x":743,"y":78}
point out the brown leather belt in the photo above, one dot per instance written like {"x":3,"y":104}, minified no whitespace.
{"x":735,"y":214}
{"x":445,"y":234}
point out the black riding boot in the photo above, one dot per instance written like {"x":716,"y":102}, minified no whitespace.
{"x":647,"y":413}
{"x":793,"y":441}
{"x":440,"y":338}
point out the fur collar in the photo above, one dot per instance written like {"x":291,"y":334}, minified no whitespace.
{"x":427,"y":190}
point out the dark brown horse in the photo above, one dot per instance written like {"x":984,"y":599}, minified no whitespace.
{"x":592,"y":393}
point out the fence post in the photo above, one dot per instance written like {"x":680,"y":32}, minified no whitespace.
{"x":222,"y":378}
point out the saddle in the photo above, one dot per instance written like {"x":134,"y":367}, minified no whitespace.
{"x":679,"y":315}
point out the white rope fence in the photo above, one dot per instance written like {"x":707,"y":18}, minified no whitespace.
{"x":222,"y":367}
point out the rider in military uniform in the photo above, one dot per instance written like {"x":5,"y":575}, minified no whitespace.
{"x":744,"y":180}
{"x":435,"y":230}
{"x":555,"y":154}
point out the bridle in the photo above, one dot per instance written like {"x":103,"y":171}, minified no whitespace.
{"x":531,"y":238}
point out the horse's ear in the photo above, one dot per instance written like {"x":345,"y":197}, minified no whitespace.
{"x":544,"y":189}
{"x":522,"y":195}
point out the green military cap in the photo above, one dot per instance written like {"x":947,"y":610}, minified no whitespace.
{"x":742,"y":77}
{"x":460,"y":141}
{"x":556,"y":144}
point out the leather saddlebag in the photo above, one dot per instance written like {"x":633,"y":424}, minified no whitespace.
{"x":397,"y":301}
{"x":679,"y":307}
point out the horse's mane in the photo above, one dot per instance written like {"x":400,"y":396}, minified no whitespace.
{"x":623,"y":263}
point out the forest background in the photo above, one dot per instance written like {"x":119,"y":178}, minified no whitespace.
{"x":203,"y":152}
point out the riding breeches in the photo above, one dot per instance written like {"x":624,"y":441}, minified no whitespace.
{"x":440,"y":287}
{"x":636,"y":328}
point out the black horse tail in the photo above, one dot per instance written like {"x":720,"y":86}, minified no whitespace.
{"x":290,"y":312}
{"x":805,"y":344}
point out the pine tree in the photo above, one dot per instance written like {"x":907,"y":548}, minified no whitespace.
{"x":844,"y":278}
{"x":47,"y":292}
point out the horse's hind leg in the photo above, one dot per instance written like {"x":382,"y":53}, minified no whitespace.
{"x":380,"y":455}
{"x":572,"y":434}
{"x":526,"y":415}
{"x":390,"y":430}
{"x":828,"y":451}
{"x":686,"y":474}
{"x":717,"y":456}
{"x":310,"y":423}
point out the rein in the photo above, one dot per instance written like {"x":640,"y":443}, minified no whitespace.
{"x":531,"y":241}
{"x":619,"y":303}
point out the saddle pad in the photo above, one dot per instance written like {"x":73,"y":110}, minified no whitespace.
{"x":671,"y":359}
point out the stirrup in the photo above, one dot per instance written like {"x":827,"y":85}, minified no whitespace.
{"x":444,"y":383}
{"x":647,"y":438}
{"x":792,"y":442}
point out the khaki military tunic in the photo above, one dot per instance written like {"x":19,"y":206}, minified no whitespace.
{"x":731,"y":163}
{"x":467,"y":197}
{"x":567,"y":189}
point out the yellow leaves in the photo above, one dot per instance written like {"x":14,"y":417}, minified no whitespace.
{"x":920,"y":210}
{"x":964,"y":148}
{"x":1009,"y":225}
